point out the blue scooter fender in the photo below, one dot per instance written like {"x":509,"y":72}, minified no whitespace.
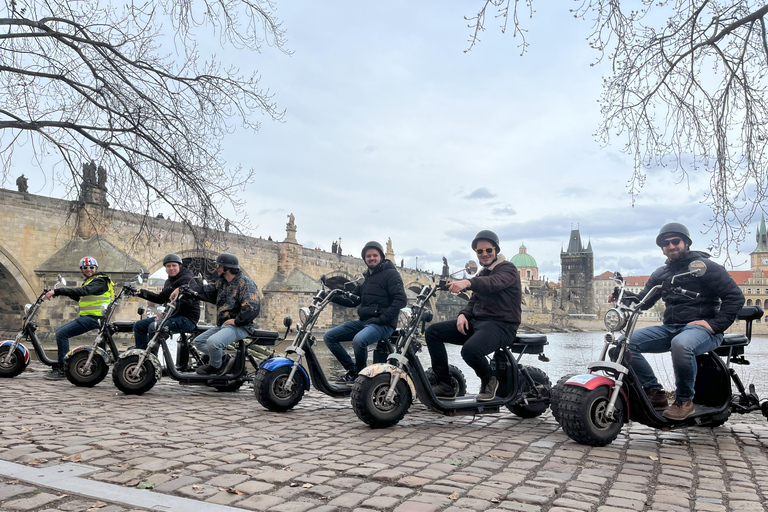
{"x":21,"y":346}
{"x":99,"y":351}
{"x":273,"y":363}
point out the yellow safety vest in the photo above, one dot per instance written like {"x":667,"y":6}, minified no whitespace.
{"x":90,"y":305}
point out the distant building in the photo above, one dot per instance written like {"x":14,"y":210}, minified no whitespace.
{"x":577,"y":265}
{"x":526,"y":267}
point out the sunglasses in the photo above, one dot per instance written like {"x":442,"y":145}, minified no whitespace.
{"x":488,"y":250}
{"x":89,"y":267}
{"x":671,"y":241}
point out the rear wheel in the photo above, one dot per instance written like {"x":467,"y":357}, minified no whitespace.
{"x":370,"y":404}
{"x":82,"y":374}
{"x":271,"y":390}
{"x":458,"y":381}
{"x":134,"y":384}
{"x":11,"y":364}
{"x":542,"y":388}
{"x":583,"y":415}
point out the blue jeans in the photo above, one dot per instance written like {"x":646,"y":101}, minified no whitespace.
{"x":684,"y":341}
{"x":213,"y":341}
{"x":361,"y":335}
{"x":144,"y":330}
{"x":76,"y":327}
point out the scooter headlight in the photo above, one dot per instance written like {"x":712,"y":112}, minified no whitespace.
{"x":614,"y":320}
{"x":303,"y":315}
{"x":27,"y":307}
{"x":404,"y":318}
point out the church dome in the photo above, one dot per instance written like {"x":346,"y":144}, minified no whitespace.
{"x":523,"y":259}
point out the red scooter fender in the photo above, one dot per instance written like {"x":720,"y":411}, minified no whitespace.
{"x":591,"y":382}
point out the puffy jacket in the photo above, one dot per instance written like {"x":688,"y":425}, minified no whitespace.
{"x":236,"y":299}
{"x":381,"y":295}
{"x":188,"y":307}
{"x":719,"y":301}
{"x":496,"y":294}
{"x":98,"y":285}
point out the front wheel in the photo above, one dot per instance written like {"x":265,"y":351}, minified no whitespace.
{"x":11,"y":364}
{"x":130,"y":384}
{"x":583,"y":415}
{"x":82,"y":374}
{"x":271,"y":390}
{"x":458,"y":381}
{"x":542,"y":389}
{"x":370,"y":404}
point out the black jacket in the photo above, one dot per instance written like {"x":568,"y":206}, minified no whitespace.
{"x":381,"y":295}
{"x":496,"y":294}
{"x":720,"y":297}
{"x":188,"y":306}
{"x":97,"y":286}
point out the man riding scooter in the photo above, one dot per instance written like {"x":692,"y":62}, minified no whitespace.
{"x":692,"y":326}
{"x":489,"y":320}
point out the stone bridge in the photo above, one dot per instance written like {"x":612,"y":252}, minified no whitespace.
{"x":42,"y":237}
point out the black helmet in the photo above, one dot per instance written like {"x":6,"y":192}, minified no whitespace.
{"x":372,"y":245}
{"x":172,"y":258}
{"x":486,"y":235}
{"x":673,"y":228}
{"x":228,"y":260}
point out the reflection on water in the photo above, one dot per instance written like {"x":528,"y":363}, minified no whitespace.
{"x":569,"y":354}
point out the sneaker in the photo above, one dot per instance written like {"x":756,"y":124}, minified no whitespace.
{"x":347,"y":379}
{"x":443,"y":390}
{"x":208,"y":370}
{"x":679,"y":410}
{"x":55,"y":374}
{"x":658,"y":398}
{"x":488,"y":390}
{"x":227,"y":362}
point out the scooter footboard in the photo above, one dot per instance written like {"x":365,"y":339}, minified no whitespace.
{"x":273,"y":363}
{"x":379,"y":368}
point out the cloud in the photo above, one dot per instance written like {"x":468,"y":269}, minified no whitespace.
{"x":480,"y":193}
{"x":507,"y":210}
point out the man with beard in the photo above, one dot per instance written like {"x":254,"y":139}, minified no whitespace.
{"x":187,"y":314}
{"x":380,"y":297}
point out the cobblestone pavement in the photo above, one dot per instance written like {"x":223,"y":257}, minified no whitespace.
{"x":188,"y":443}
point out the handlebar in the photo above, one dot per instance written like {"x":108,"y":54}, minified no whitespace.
{"x":687,"y":293}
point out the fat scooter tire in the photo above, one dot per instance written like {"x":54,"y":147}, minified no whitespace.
{"x":129,"y":384}
{"x":582,"y":415}
{"x":74,"y":369}
{"x":555,"y":393}
{"x":458,"y":381}
{"x":269,"y":388}
{"x":12,"y":364}
{"x":544,"y":386}
{"x":368,"y":400}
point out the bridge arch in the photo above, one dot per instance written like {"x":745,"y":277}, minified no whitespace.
{"x":15,"y":291}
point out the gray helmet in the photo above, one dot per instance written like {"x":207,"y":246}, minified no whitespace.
{"x":372,"y":245}
{"x":172,"y":258}
{"x":673,"y":228}
{"x":486,"y":235}
{"x":228,"y":260}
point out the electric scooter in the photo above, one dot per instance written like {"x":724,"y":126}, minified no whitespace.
{"x":592,"y":408}
{"x":383,"y":393}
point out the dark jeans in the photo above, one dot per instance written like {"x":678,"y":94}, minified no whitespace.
{"x":76,"y":327}
{"x":483,"y":337}
{"x":361,"y":335}
{"x":143,"y":330}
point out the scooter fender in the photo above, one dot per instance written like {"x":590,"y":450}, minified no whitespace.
{"x":379,"y":368}
{"x":21,"y":346}
{"x":273,"y":363}
{"x":99,"y":351}
{"x":591,"y":382}
{"x":152,"y":358}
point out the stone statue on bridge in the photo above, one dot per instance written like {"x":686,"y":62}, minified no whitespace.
{"x":21,"y":183}
{"x":290,"y":230}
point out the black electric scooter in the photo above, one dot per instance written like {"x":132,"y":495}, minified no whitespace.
{"x":383,"y":393}
{"x":593,"y":407}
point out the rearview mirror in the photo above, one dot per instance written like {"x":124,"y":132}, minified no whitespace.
{"x":471,"y":267}
{"x":698,"y":268}
{"x":60,"y":281}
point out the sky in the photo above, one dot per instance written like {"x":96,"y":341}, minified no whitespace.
{"x":392,"y":130}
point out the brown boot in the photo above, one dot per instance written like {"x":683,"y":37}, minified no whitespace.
{"x":658,"y":398}
{"x":679,"y":410}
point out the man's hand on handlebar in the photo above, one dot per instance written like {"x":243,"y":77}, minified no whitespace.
{"x":459,"y":286}
{"x":174,"y":294}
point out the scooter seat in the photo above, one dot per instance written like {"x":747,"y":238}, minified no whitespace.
{"x":732,"y":345}
{"x":264,"y":337}
{"x":123,"y":326}
{"x":528,"y":343}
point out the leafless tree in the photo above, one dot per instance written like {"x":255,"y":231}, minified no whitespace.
{"x":687,"y":90}
{"x":126,"y":86}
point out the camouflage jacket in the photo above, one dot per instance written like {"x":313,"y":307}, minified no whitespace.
{"x":236,"y":299}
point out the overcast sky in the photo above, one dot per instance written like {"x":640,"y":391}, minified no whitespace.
{"x":392,"y":130}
